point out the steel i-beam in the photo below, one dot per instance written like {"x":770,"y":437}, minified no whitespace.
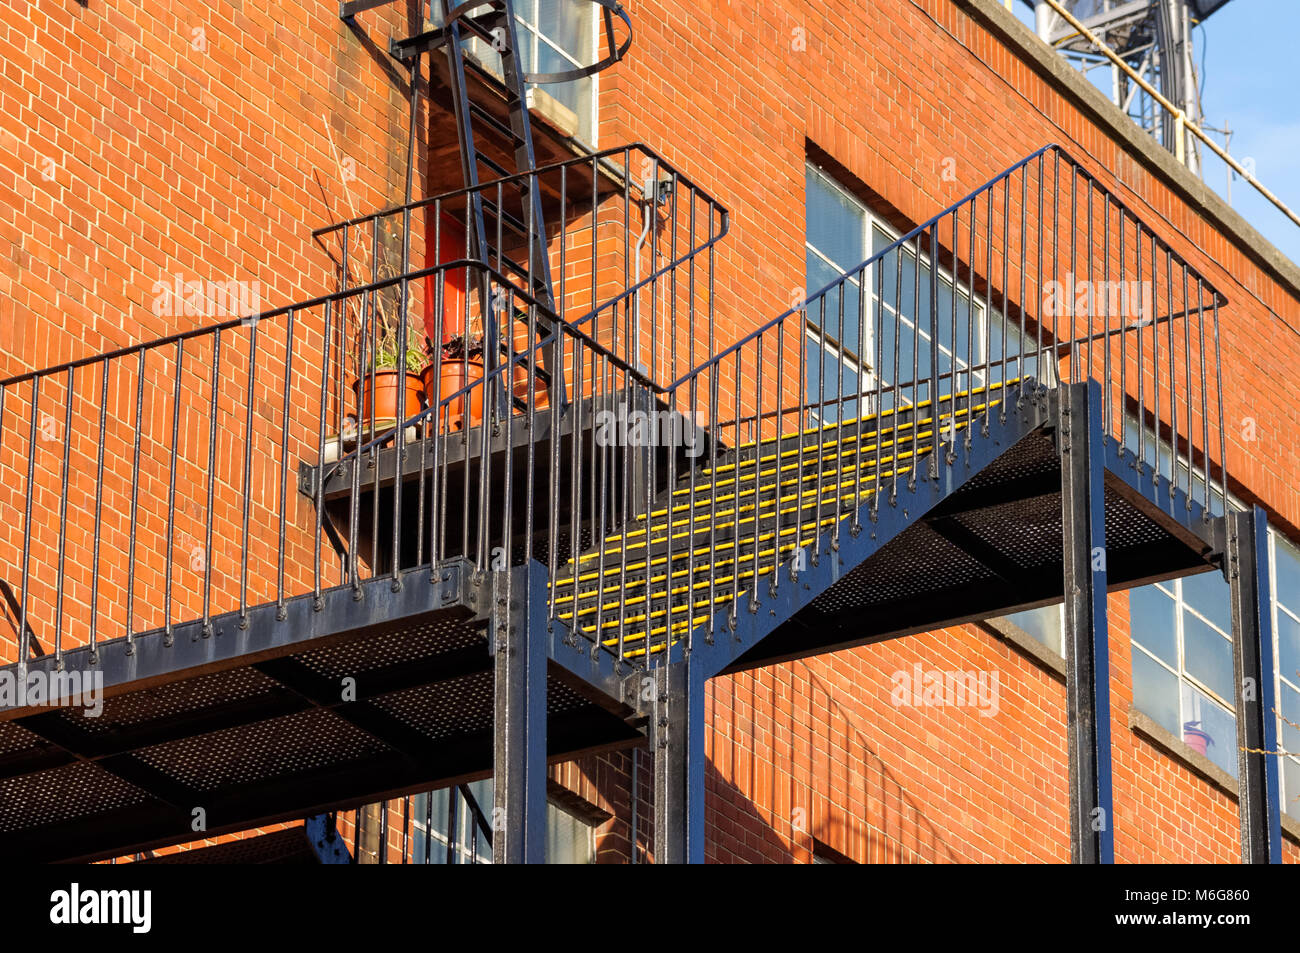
{"x":519,"y":727}
{"x":677,"y":736}
{"x":1252,"y":661}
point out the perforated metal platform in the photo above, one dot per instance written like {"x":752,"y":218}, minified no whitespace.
{"x":994,"y":547}
{"x":322,"y":723}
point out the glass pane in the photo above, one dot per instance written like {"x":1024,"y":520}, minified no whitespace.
{"x":835,"y":222}
{"x":820,"y":274}
{"x":1291,"y":787}
{"x":575,"y":95}
{"x":1288,"y":646}
{"x":1287,"y":557}
{"x":569,"y":840}
{"x":824,"y":365}
{"x":1289,"y":735}
{"x":567,"y":23}
{"x":1152,"y":622}
{"x":1043,"y":624}
{"x":1208,"y":593}
{"x":824,"y":312}
{"x":1207,"y":656}
{"x":1155,"y":692}
{"x":1210,"y":729}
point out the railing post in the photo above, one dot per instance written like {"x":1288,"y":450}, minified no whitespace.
{"x":1087,"y":680}
{"x":519,"y":730}
{"x":677,"y":734}
{"x":1252,"y":661}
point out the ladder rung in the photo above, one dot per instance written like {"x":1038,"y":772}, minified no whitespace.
{"x":492,"y":164}
{"x":511,"y":221}
{"x":496,"y":125}
{"x":481,"y":25}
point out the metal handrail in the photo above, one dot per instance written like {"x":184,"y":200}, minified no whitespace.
{"x":979,"y":351}
{"x":1181,"y":119}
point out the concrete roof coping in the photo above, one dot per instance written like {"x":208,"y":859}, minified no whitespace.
{"x":1199,"y":196}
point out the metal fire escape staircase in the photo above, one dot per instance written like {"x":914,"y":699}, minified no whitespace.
{"x":294,"y":610}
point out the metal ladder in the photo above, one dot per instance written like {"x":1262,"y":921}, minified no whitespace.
{"x":498,"y":29}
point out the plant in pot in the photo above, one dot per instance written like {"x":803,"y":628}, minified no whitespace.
{"x":387,"y":390}
{"x":460,"y":365}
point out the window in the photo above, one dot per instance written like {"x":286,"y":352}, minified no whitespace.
{"x":555,"y":36}
{"x":1182,"y":662}
{"x":1045,"y":625}
{"x":1285,"y":586}
{"x":558,"y":36}
{"x":1182,"y":636}
{"x":434,"y":814}
{"x":570,"y":839}
{"x":841,"y":234}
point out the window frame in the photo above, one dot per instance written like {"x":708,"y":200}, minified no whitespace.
{"x":876,"y":304}
{"x":1285,"y":797}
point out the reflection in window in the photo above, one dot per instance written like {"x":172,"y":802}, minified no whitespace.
{"x":1043,"y":625}
{"x":452,"y":828}
{"x":1182,"y":662}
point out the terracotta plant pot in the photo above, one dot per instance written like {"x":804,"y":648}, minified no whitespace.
{"x":391,"y":395}
{"x":452,"y":379}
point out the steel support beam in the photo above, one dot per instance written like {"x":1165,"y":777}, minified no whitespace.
{"x":677,"y":733}
{"x":1252,"y":661}
{"x":519,"y":725}
{"x":1087,"y":680}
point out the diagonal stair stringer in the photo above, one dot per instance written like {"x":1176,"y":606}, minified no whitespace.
{"x":838,"y":551}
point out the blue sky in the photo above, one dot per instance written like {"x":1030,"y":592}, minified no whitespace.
{"x":1251,"y":80}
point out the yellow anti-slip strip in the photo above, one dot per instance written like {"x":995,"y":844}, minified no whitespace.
{"x":812,"y":454}
{"x":911,"y":408}
{"x":659,"y":579}
{"x":853,"y":497}
{"x":865,"y":462}
{"x":679,"y":624}
{"x":684,"y":553}
{"x":714,"y":582}
{"x":851,"y":438}
{"x":615,"y":546}
{"x":728,"y":546}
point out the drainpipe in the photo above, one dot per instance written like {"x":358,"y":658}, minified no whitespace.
{"x":657,"y":192}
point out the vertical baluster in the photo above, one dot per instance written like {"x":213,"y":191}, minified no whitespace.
{"x":1205,"y":410}
{"x":1187,"y":383}
{"x":248,"y":477}
{"x":24,"y":642}
{"x":171,"y":495}
{"x":281,"y":611}
{"x":69,"y":390}
{"x":99,"y":511}
{"x":936,"y":407}
{"x":1173,"y":376}
{"x":1106,"y":317}
{"x":1126,"y":323}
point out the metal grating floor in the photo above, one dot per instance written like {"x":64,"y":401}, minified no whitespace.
{"x":272,"y":740}
{"x":994,"y":547}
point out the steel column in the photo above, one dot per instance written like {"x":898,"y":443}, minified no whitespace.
{"x":1252,"y":661}
{"x":677,"y":734}
{"x":519,"y":729}
{"x":1087,"y":682}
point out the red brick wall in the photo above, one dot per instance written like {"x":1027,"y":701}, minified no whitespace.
{"x":133,"y":148}
{"x":890,"y":92}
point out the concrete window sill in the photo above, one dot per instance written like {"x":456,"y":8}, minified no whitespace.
{"x":1178,"y":749}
